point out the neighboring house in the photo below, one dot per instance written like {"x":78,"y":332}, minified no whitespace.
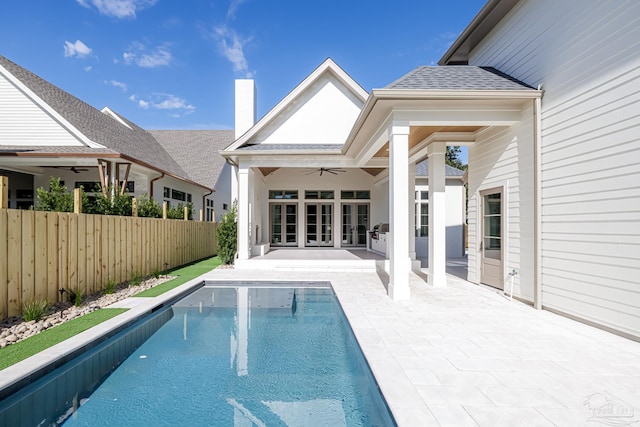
{"x":565,"y":188}
{"x":45,"y":131}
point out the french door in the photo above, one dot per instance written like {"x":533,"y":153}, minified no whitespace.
{"x":492,"y":242}
{"x":284,"y":224}
{"x":355,"y":224}
{"x":319,"y":230}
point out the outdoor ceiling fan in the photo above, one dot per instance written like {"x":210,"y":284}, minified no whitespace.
{"x":72,"y":169}
{"x":333,"y":171}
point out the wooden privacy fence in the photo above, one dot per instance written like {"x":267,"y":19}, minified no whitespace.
{"x":42,"y":252}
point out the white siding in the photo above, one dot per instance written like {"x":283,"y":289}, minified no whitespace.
{"x":585,"y":53}
{"x":23,"y":122}
{"x":324,"y":114}
{"x":503,"y":157}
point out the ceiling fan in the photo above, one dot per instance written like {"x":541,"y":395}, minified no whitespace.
{"x":333,"y":171}
{"x":72,"y":169}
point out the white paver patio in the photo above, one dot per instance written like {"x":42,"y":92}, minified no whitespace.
{"x":465,"y":355}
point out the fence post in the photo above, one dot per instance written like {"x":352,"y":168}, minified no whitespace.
{"x":77,"y":200}
{"x":186,"y":213}
{"x":4,"y":192}
{"x":134,"y":207}
{"x":201,"y":215}
{"x":164,"y":210}
{"x":213,"y":216}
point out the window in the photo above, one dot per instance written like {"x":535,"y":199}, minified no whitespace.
{"x":283,"y":194}
{"x":225,"y":206}
{"x":422,"y":214}
{"x":188,"y":197}
{"x":209,"y":210}
{"x":355,"y":194}
{"x":318,"y":194}
{"x":88,"y":186}
{"x":178,"y":195}
{"x":167,"y":192}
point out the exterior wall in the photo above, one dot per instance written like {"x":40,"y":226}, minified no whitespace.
{"x":503,"y":157}
{"x":454,"y":194}
{"x":222,"y":195}
{"x":299,"y":179}
{"x":196,"y":194}
{"x":584,"y":52}
{"x":22,"y":122}
{"x":324,"y":114}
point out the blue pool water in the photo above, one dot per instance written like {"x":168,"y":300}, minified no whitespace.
{"x":243,"y":356}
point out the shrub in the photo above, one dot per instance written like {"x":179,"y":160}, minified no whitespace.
{"x":156,"y":274}
{"x":177,"y":212}
{"x":228,"y":235}
{"x":75,"y":297}
{"x":118,"y":204}
{"x":57,"y":199}
{"x":111,"y":287}
{"x":136,"y":279}
{"x":34,"y":310}
{"x":148,"y":208}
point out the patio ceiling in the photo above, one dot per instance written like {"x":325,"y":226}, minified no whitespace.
{"x":418,"y":134}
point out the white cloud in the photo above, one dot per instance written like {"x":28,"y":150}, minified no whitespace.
{"x":172,"y":102}
{"x":231,"y":12}
{"x":116,"y":83}
{"x":143,"y":104}
{"x":118,"y":8}
{"x":88,"y":68}
{"x":77,"y":49}
{"x":232,"y":47}
{"x":136,"y":54}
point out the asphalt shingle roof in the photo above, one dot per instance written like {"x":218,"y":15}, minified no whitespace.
{"x":197,"y":151}
{"x":457,"y":77}
{"x":422,"y":169}
{"x":283,"y":147}
{"x":134,"y":142}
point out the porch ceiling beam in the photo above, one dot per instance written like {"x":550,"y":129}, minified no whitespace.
{"x":490,"y":116}
{"x":377,"y":162}
{"x":300,"y":161}
{"x":449,"y":138}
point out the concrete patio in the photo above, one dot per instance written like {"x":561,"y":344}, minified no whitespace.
{"x":465,"y":355}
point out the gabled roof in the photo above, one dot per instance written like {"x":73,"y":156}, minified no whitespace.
{"x":327,"y":67}
{"x":197,"y":151}
{"x":422,"y":170}
{"x":462,"y":77}
{"x":129,"y":140}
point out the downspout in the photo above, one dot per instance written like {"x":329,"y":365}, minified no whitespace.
{"x":204,"y":209}
{"x":537,"y":206}
{"x":151,"y":185}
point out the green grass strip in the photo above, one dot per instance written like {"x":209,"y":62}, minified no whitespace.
{"x":26,"y":348}
{"x":184,"y":274}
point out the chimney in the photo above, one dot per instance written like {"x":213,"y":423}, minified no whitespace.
{"x":245,"y":105}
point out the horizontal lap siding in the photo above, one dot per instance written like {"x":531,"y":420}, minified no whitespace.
{"x":22,"y":122}
{"x":504,"y":157}
{"x":585,"y":55}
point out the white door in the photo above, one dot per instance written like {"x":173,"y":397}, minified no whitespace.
{"x":284,"y":228}
{"x":492,"y":242}
{"x":355,"y":224}
{"x":319,"y":231}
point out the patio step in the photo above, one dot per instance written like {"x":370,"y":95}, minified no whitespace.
{"x":364,"y":265}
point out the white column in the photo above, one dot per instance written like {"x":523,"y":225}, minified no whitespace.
{"x":234,"y":184}
{"x":398,"y":211}
{"x":412,"y":211}
{"x":243,"y":212}
{"x":437,"y":215}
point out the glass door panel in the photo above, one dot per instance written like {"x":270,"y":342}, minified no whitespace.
{"x":312,"y":225}
{"x":491,"y":247}
{"x":319,"y":228}
{"x":363,"y":225}
{"x":326,"y":228}
{"x":283,"y":224}
{"x":291,"y":225}
{"x":347,"y":225}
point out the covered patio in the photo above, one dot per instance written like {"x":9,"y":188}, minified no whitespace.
{"x":393,"y":129}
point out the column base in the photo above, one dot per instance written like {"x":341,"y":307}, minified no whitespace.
{"x":437,"y":280}
{"x":399,"y":293}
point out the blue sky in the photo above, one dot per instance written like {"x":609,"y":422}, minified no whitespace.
{"x":169,"y":64}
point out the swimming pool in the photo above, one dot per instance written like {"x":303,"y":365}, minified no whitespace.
{"x":236,"y":355}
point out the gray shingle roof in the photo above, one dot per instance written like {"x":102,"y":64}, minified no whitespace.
{"x":197,"y":151}
{"x":422,"y":170}
{"x":40,"y":149}
{"x":457,"y":77}
{"x":134,"y":142}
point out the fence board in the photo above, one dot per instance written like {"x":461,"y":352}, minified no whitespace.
{"x":4,"y":297}
{"x":89,"y":269}
{"x":52,"y":256}
{"x":63,"y":253}
{"x":72,"y":260}
{"x":97,"y":247}
{"x":14,"y":257}
{"x":28,"y":256}
{"x":81,"y":257}
{"x":41,"y":268}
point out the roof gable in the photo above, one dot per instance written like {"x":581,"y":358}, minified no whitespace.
{"x":319,"y":111}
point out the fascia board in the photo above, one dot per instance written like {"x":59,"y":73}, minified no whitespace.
{"x":49,"y":110}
